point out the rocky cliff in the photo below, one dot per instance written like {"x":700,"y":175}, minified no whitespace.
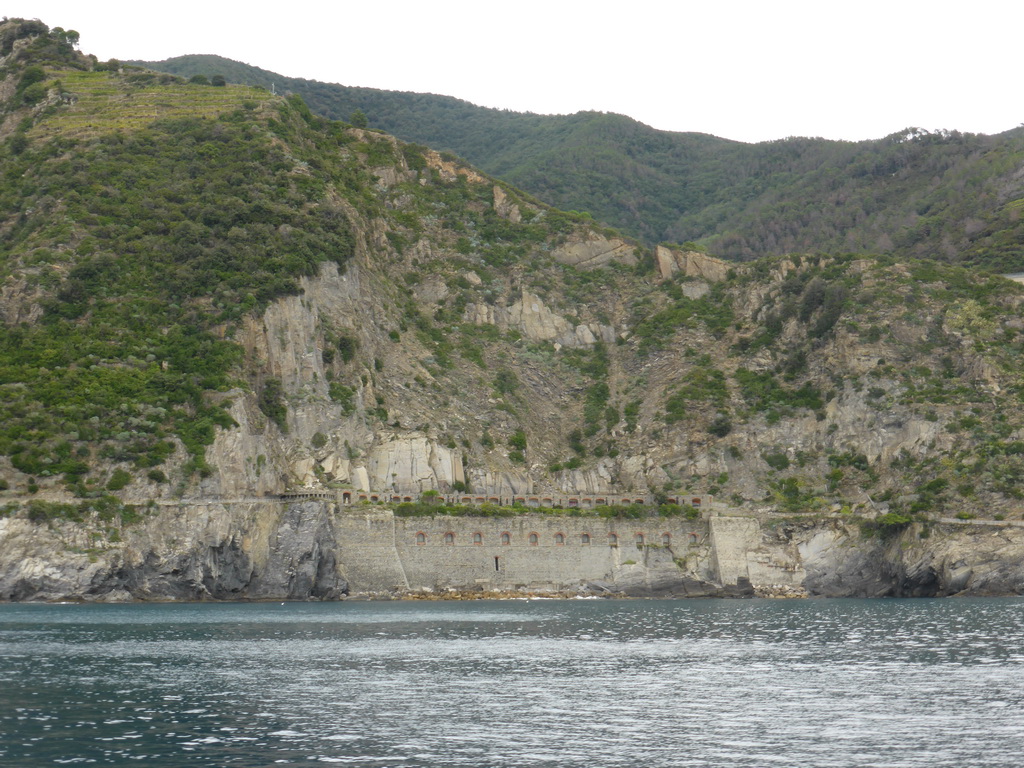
{"x":317,"y":550}
{"x":258,"y":301}
{"x":189,"y":552}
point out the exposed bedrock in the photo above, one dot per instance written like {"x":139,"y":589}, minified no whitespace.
{"x":215,"y":551}
{"x":317,"y":549}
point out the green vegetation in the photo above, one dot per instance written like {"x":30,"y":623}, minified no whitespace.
{"x":344,"y":396}
{"x":431,"y":507}
{"x":902,"y":194}
{"x":763,"y":392}
{"x":118,"y":480}
{"x":776,"y":460}
{"x":271,"y":402}
{"x":105,"y":508}
{"x":712,"y":311}
{"x":141,"y":255}
{"x":886,"y":526}
{"x":141,"y":246}
{"x":700,"y":386}
{"x":518,"y":440}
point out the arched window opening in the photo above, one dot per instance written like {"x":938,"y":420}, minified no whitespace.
{"x":559,"y":539}
{"x":506,"y":539}
{"x":613,"y":540}
{"x":421,"y":538}
{"x":449,"y":538}
{"x":666,"y":539}
{"x":585,"y":538}
{"x":639,"y":540}
{"x":478,"y":538}
{"x":534,"y":539}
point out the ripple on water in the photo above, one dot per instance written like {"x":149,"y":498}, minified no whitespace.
{"x":552,"y":683}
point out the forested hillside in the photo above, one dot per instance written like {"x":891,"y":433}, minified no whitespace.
{"x":941,"y":194}
{"x":209,"y":291}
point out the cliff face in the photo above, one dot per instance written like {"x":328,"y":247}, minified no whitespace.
{"x":952,"y":559}
{"x":864,"y":418}
{"x":260,"y":302}
{"x":189,"y":552}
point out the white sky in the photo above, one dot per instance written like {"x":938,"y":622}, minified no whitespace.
{"x":751,"y":71}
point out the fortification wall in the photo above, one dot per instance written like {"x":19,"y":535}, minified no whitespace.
{"x":367,"y":554}
{"x":379,"y":551}
{"x":349,"y":497}
{"x":738,"y":552}
{"x":731,"y":539}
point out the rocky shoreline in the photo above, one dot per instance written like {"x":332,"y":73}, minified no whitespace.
{"x":302,"y":551}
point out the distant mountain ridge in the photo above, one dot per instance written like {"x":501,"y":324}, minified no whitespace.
{"x":944,"y":194}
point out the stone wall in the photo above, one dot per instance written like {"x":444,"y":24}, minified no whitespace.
{"x":731,"y":539}
{"x":367,"y":553}
{"x":348,"y":497}
{"x":539,"y":551}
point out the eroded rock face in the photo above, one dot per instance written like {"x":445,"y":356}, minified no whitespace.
{"x":601,"y":479}
{"x":691,"y":264}
{"x":537,"y":322}
{"x":954,"y":559}
{"x":193,"y":552}
{"x":413,"y":464}
{"x":500,"y":483}
{"x":533,"y":318}
{"x":595,"y":250}
{"x":19,"y":303}
{"x":237,"y":454}
{"x":505,"y":207}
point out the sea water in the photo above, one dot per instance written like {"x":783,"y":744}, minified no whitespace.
{"x":516,"y":683}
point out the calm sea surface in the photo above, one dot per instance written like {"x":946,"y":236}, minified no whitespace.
{"x":520,"y":683}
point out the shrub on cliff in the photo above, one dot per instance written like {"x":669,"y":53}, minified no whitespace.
{"x":889,"y":524}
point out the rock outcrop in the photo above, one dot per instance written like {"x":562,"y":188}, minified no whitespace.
{"x":504,"y":206}
{"x":955,"y":559}
{"x":537,"y":322}
{"x":690,"y":264}
{"x":413,"y":464}
{"x":595,"y":250}
{"x":255,"y":550}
